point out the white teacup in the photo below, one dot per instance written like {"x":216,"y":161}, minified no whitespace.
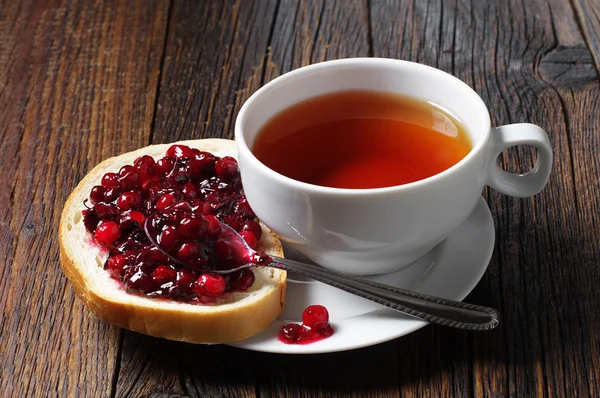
{"x":371,"y":231}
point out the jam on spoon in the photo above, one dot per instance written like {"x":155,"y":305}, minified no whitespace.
{"x":429,"y":308}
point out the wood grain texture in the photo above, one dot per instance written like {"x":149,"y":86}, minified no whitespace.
{"x":588,"y":18}
{"x":213,"y":60}
{"x":306,"y":32}
{"x":77,"y":84}
{"x":528,"y":64}
{"x":81,"y":81}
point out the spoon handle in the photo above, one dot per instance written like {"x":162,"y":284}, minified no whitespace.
{"x":429,"y":308}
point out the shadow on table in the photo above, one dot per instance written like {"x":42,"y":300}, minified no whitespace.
{"x":431,"y":356}
{"x":434,"y":357}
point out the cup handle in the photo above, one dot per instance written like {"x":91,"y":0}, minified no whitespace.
{"x":519,"y":185}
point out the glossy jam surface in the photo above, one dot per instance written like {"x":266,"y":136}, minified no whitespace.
{"x":159,"y":221}
{"x":315,"y":326}
{"x":361,"y":139}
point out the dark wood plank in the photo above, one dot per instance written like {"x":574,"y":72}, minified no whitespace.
{"x":80,"y":81}
{"x":519,"y":69}
{"x":77,"y":84}
{"x":313,"y":31}
{"x":429,"y":32}
{"x":305,"y":33}
{"x":214,"y":59}
{"x":170,"y":368}
{"x":588,"y":16}
{"x":529,"y":63}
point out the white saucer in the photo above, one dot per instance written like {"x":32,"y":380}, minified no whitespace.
{"x":451,"y":270}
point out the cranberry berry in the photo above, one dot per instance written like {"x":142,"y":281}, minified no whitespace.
{"x":315,"y":326}
{"x":164,"y":274}
{"x":250,"y":239}
{"x":97,"y":194}
{"x":211,"y":285}
{"x":165,"y":201}
{"x":169,"y":238}
{"x":164,"y":166}
{"x":129,"y":177}
{"x":315,"y":317}
{"x":129,"y":200}
{"x":226,"y":168}
{"x":107,"y":233}
{"x":110,"y":180}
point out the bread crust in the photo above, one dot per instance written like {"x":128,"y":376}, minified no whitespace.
{"x":234,"y":319}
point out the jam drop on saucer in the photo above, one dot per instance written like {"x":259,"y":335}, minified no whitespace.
{"x":315,"y":326}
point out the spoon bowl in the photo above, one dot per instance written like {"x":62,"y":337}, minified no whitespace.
{"x":429,"y":308}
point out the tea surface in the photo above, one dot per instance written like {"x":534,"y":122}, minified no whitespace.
{"x":361,"y":139}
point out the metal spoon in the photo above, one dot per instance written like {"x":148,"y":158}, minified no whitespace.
{"x":433,"y":309}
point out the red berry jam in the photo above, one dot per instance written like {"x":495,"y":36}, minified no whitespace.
{"x":159,"y":220}
{"x":315,"y":326}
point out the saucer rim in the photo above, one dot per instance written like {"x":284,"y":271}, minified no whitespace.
{"x":409,"y":325}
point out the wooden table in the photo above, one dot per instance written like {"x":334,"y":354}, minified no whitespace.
{"x":82,"y":81}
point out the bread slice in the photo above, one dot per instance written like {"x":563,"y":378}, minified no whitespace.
{"x":234,"y":317}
